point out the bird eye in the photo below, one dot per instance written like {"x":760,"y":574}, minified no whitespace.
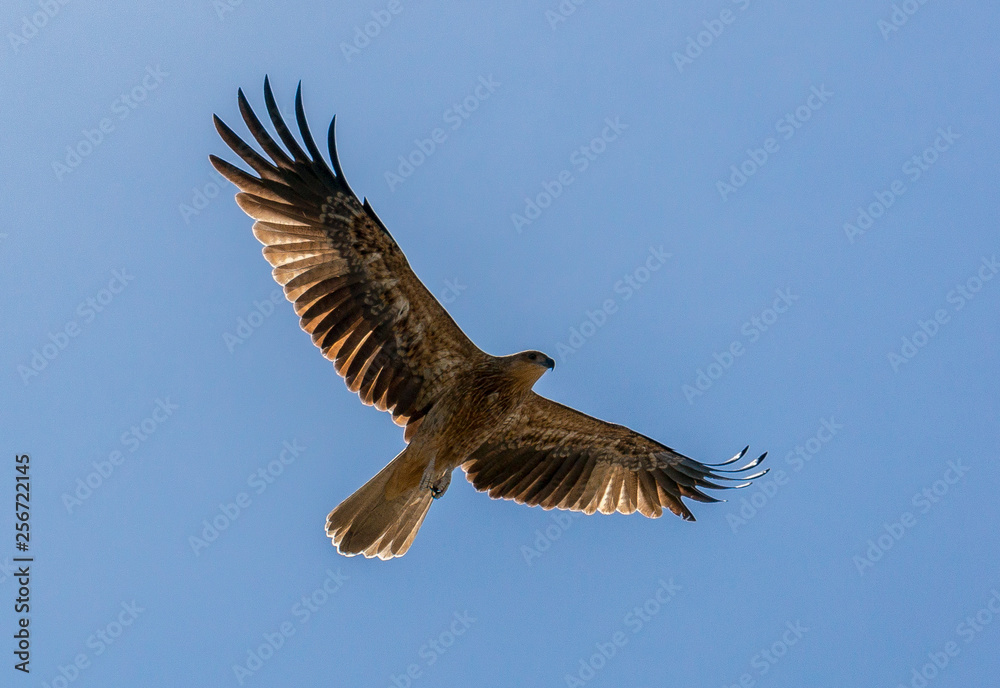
{"x":532,"y":356}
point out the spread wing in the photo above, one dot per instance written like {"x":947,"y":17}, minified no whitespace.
{"x":351,"y":285}
{"x":550,"y":455}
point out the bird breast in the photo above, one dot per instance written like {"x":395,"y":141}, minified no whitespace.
{"x":468,"y":418}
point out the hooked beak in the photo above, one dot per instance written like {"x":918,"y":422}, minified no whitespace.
{"x":549,"y":363}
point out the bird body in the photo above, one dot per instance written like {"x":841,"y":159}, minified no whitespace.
{"x":471,"y":410}
{"x":399,"y":350}
{"x":476,"y":404}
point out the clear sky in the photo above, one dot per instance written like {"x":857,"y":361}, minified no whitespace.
{"x":730,"y":223}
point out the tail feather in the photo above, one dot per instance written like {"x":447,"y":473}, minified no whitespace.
{"x":368,"y":523}
{"x":397,"y":540}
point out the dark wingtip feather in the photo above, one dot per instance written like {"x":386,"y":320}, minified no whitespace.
{"x":220,"y":126}
{"x":279,"y":125}
{"x":300,"y":118}
{"x":703,"y":474}
{"x":219,"y":164}
{"x":241,"y":99}
{"x":231,"y":138}
{"x":732,"y":460}
{"x":331,"y":143}
{"x":747,"y":467}
{"x":268,"y":93}
{"x":251,"y":157}
{"x":317,"y":157}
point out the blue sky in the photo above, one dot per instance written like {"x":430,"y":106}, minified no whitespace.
{"x":815,"y":188}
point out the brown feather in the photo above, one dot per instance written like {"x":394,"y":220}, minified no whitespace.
{"x":341,"y":268}
{"x":551,"y":455}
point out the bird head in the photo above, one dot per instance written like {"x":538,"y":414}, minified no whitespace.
{"x":530,"y":365}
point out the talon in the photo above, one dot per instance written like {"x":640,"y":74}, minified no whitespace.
{"x":439,"y":487}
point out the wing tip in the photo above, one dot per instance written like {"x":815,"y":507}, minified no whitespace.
{"x":689,"y":475}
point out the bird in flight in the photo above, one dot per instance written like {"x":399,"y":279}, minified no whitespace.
{"x":399,"y":350}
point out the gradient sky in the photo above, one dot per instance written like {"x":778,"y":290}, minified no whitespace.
{"x":824,"y":182}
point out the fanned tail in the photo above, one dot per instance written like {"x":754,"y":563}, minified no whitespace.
{"x":369,"y":523}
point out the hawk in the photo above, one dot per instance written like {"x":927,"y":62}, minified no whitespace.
{"x":399,"y":350}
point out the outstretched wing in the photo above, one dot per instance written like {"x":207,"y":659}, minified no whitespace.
{"x":350,"y":283}
{"x":550,"y":455}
